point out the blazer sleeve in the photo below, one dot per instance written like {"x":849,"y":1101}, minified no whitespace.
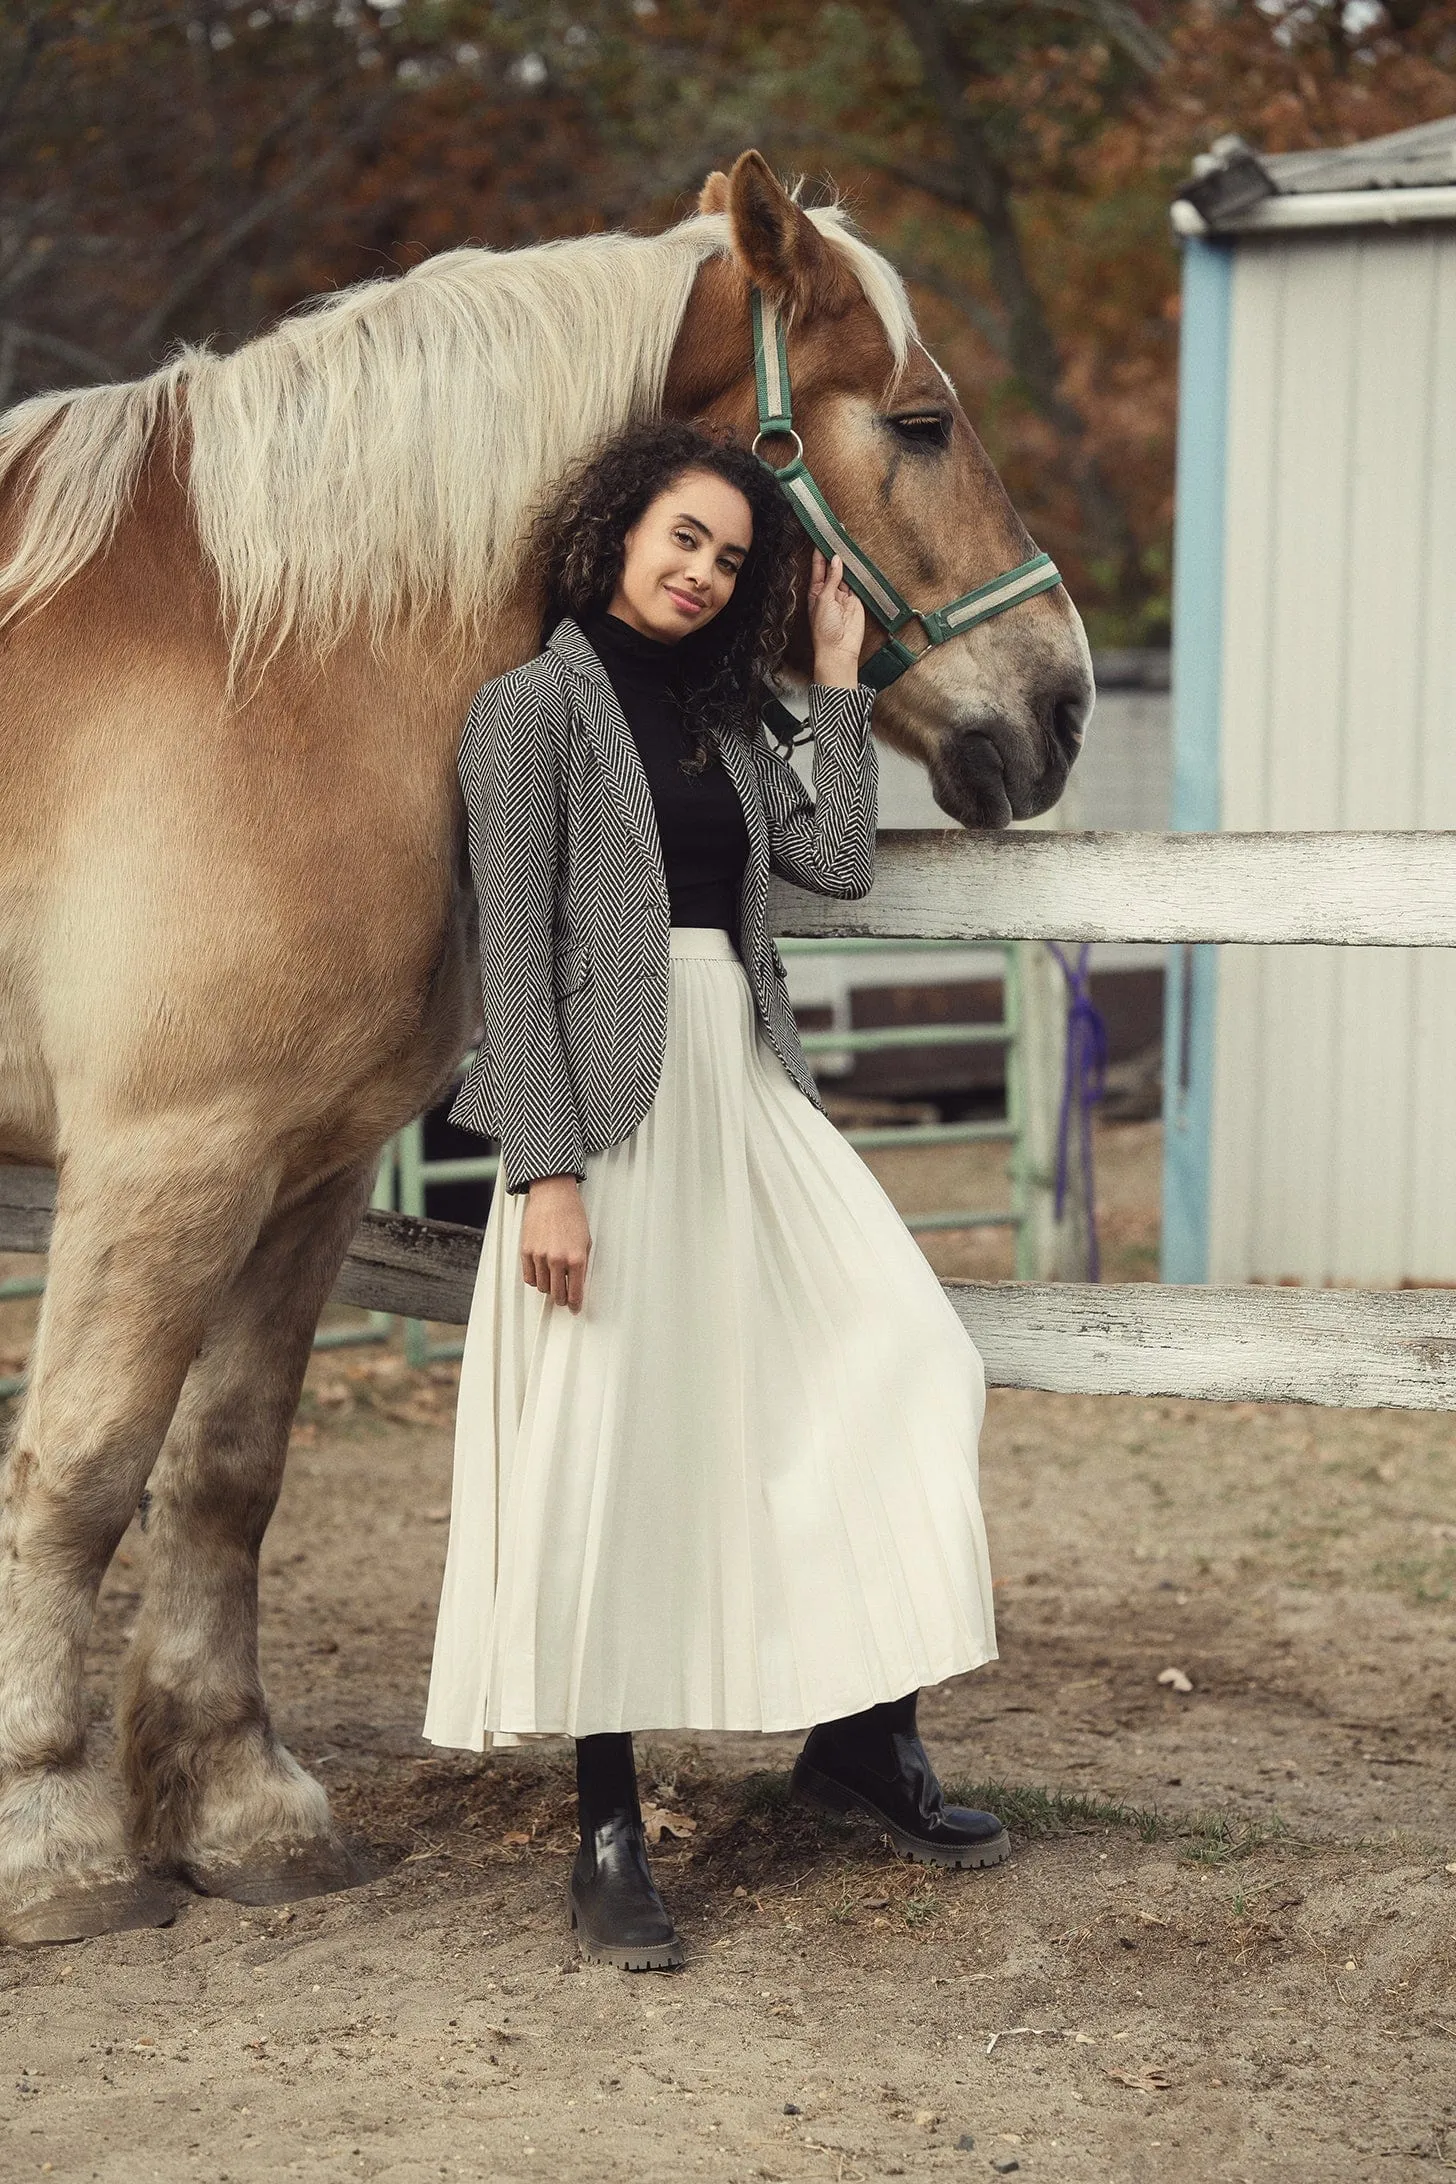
{"x":509,"y":770}
{"x":825,"y":841}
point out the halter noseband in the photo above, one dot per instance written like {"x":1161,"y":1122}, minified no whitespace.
{"x":881,"y":599}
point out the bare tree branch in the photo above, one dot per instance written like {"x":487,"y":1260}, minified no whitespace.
{"x":16,"y":337}
{"x":972,"y":310}
{"x":982,"y":186}
{"x":258,"y":215}
{"x":1121,"y":24}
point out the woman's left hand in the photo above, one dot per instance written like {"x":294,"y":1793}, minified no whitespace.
{"x":837,"y":620}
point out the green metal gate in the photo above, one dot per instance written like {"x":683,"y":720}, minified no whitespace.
{"x":406,"y":1176}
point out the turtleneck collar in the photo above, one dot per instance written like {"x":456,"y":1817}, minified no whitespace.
{"x":629,"y":655}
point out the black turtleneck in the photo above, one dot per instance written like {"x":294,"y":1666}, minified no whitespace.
{"x":699,"y":818}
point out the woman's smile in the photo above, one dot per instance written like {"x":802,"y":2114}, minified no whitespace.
{"x":682,"y":557}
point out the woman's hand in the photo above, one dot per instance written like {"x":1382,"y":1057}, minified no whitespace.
{"x":837,"y":620}
{"x":555,"y":1240}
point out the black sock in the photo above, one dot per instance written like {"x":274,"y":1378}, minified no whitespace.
{"x":892,"y":1717}
{"x":606,"y":1778}
{"x":898,"y":1715}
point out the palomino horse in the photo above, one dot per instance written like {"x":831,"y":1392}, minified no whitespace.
{"x":245,"y":603}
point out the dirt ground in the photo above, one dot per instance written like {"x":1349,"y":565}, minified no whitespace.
{"x":1224,"y":1947}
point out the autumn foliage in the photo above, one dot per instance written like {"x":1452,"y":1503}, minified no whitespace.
{"x":186,"y":169}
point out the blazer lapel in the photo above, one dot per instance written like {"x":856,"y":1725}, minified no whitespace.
{"x":739,"y":765}
{"x":606,"y":724}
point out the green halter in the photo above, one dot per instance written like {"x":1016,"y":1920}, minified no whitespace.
{"x":881,"y":599}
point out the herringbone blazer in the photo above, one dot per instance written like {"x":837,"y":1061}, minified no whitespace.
{"x":573,"y":903}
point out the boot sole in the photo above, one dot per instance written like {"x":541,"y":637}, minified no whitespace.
{"x":662,"y":1956}
{"x":817,"y":1790}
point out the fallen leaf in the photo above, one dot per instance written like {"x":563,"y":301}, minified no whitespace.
{"x":657,"y":1822}
{"x":1175,"y":1678}
{"x":516,"y":1836}
{"x":1143,"y":2081}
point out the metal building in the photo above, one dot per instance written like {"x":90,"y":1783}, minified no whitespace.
{"x":1310,"y":1093}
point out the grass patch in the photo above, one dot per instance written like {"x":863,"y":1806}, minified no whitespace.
{"x":1206,"y":1838}
{"x":1220,"y":1838}
{"x":1036,"y":1814}
{"x":762,"y":1829}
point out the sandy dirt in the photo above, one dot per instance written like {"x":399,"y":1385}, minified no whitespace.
{"x":1224,"y":1948}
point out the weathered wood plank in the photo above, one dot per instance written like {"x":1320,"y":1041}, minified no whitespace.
{"x":418,"y":1269}
{"x":1353,"y":1349}
{"x":1360,"y":890}
{"x":1350,"y":1349}
{"x":27,"y":1197}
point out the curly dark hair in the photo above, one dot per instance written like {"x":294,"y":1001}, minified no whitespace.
{"x":577,"y":546}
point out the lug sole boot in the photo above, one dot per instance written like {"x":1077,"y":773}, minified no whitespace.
{"x":873,"y":1766}
{"x":616,"y":1913}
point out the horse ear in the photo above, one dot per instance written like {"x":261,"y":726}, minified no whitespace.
{"x":778,"y":246}
{"x":713,"y":196}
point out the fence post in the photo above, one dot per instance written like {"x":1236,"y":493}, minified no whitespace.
{"x":1051,"y":1250}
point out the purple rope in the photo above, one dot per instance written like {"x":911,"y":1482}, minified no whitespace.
{"x":1083,"y":1084}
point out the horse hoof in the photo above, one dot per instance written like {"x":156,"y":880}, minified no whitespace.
{"x":282,"y":1876}
{"x":75,"y":1912}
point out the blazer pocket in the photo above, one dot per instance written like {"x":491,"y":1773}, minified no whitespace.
{"x":572,"y":968}
{"x":778,"y":961}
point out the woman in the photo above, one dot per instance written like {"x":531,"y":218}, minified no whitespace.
{"x":716,"y":1449}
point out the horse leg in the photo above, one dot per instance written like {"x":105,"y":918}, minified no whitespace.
{"x":214,"y":1793}
{"x":145,"y":1240}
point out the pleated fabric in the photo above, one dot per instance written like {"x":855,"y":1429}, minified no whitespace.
{"x":739,"y":1488}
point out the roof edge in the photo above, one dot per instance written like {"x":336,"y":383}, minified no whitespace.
{"x":1322,"y":209}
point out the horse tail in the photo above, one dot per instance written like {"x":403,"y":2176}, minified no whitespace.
{"x":71,"y":462}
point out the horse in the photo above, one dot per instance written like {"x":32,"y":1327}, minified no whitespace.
{"x":243,"y":604}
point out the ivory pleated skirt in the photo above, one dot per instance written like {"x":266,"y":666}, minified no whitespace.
{"x":738,"y":1489}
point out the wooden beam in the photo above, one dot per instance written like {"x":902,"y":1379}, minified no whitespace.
{"x":417,"y":1269}
{"x":1352,"y":1349}
{"x":1355,"y":1349}
{"x":1353,"y":890}
{"x":27,"y":1200}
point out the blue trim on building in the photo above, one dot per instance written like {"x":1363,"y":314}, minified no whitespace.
{"x":1198,"y":587}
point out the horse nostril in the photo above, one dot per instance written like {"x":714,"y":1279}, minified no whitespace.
{"x":1068,"y":718}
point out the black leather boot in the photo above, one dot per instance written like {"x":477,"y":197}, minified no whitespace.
{"x":874,"y":1765}
{"x":615,"y":1908}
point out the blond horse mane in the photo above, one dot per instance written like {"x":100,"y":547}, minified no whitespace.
{"x":379,"y":453}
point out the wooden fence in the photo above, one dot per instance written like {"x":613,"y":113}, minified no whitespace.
{"x":1352,"y":1348}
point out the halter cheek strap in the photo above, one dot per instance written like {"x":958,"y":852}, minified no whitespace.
{"x":881,"y":599}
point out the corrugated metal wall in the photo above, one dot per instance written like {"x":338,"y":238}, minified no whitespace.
{"x":1333,"y":1151}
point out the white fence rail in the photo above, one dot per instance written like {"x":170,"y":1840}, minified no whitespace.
{"x":1352,"y":890}
{"x":1351,"y":1348}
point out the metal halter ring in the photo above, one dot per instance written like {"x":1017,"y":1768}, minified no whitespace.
{"x":779,"y":432}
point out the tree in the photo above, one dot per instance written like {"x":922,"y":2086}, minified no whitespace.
{"x":186,"y":169}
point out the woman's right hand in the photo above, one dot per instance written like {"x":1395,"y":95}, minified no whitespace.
{"x":555,"y":1240}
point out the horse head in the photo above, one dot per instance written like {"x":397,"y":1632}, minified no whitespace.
{"x":996,"y":715}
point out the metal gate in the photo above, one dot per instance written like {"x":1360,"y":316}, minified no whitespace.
{"x":406,"y":1176}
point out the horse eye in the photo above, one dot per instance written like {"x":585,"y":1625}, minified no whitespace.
{"x":923,"y":428}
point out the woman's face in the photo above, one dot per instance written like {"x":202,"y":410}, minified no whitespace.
{"x":682,"y":557}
